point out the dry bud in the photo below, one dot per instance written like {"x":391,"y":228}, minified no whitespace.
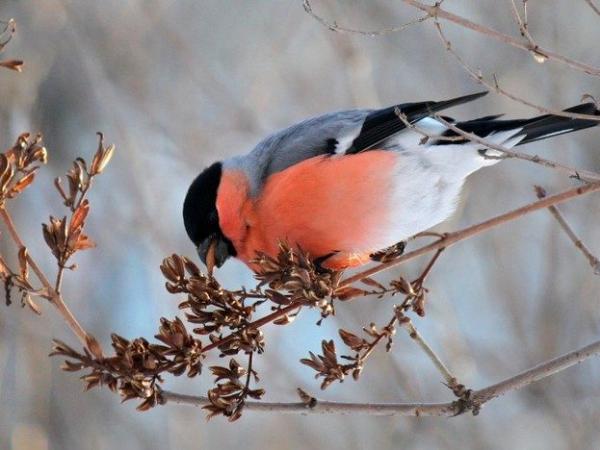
{"x":12,"y":64}
{"x":102,"y":156}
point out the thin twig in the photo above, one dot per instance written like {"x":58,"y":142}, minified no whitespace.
{"x":522,"y":23}
{"x":593,"y":6}
{"x":477,"y":398}
{"x":584,"y":175}
{"x":55,"y":298}
{"x":429,"y":266}
{"x":59,"y":278}
{"x":592,"y":259}
{"x":384,"y":333}
{"x":437,"y":11}
{"x":333,"y":26}
{"x":426,"y":136}
{"x":406,"y":323}
{"x":435,"y":359}
{"x":495,"y":86}
{"x":12,"y":230}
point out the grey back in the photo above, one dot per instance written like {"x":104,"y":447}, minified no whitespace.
{"x":296,"y":143}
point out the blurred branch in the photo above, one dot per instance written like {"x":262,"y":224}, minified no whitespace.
{"x":495,"y":86}
{"x":435,"y":11}
{"x":333,"y":26}
{"x":593,"y":260}
{"x":523,"y":23}
{"x":595,"y":8}
{"x":475,"y":401}
{"x":539,"y":53}
{"x":6,"y":35}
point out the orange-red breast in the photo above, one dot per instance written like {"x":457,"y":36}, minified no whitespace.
{"x":347,"y":184}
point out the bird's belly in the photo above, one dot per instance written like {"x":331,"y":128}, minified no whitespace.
{"x":350,"y":206}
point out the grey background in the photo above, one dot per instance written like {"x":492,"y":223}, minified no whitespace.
{"x":178,"y":84}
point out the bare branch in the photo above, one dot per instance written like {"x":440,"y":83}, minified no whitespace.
{"x":593,"y":260}
{"x":495,"y":86}
{"x":537,"y":373}
{"x":55,"y":298}
{"x":476,"y":399}
{"x":333,"y":26}
{"x":538,"y":52}
{"x":595,"y":8}
{"x":522,"y":22}
{"x":435,"y":359}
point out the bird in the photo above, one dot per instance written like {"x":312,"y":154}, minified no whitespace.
{"x":344,"y":185}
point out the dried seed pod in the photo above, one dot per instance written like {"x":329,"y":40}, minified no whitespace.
{"x":102,"y":157}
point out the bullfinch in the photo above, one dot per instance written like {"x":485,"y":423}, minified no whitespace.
{"x":344,"y":185}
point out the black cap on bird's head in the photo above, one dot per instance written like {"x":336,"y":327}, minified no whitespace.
{"x":201,"y":218}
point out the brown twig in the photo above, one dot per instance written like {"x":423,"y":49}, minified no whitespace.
{"x":584,"y":175}
{"x":539,"y":52}
{"x":476,"y":399}
{"x":495,"y":86}
{"x":55,"y":298}
{"x":522,"y":23}
{"x":12,"y":230}
{"x":59,"y":278}
{"x":592,"y":259}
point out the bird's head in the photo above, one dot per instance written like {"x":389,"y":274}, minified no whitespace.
{"x":201,"y":218}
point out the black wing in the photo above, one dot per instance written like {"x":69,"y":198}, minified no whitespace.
{"x":383,"y":123}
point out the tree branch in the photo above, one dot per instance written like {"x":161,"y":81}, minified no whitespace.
{"x":495,"y":86}
{"x":435,"y":359}
{"x":593,"y":6}
{"x":476,"y":400}
{"x":55,"y":298}
{"x":539,"y":52}
{"x":592,"y":259}
{"x":333,"y":26}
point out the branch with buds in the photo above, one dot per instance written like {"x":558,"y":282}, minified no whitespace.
{"x":222,"y":321}
{"x":229,"y":323}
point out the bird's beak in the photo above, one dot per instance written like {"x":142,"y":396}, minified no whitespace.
{"x":210,"y":256}
{"x":213,"y":252}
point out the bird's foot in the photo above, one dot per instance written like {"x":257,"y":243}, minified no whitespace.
{"x":389,"y":253}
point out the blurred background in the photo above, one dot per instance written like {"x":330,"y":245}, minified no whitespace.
{"x":178,"y":84}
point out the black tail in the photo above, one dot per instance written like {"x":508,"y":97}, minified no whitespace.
{"x":534,"y":129}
